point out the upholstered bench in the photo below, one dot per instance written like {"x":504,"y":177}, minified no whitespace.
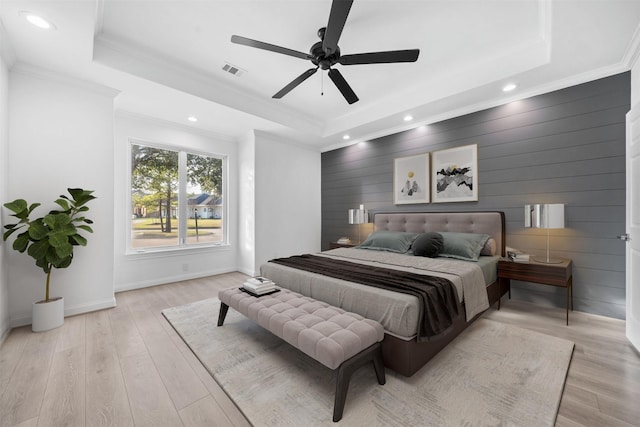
{"x":336,"y":338}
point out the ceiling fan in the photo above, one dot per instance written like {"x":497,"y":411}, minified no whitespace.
{"x":326,"y":53}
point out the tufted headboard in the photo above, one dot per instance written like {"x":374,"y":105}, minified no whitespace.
{"x":491,"y":223}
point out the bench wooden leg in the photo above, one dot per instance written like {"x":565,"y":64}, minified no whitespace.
{"x":378,"y":365}
{"x":223,"y":313}
{"x":346,"y":370}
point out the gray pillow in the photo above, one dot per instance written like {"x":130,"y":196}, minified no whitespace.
{"x":391,"y":241}
{"x":466,"y":246}
{"x":428,"y":244}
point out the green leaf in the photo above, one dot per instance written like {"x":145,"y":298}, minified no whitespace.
{"x":64,"y":250}
{"x":63,"y":204}
{"x":58,"y":239}
{"x":79,"y":239}
{"x":64,"y":263}
{"x":86,"y":228}
{"x":38,"y":250}
{"x":44,"y":264}
{"x":81,"y":196}
{"x":16,"y":206}
{"x":37,"y":230}
{"x":21,"y":242}
{"x":67,"y":229}
{"x":57,"y":221}
{"x":12,"y":228}
{"x":8,"y":233}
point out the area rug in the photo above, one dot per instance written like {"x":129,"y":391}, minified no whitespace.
{"x":491,"y":375}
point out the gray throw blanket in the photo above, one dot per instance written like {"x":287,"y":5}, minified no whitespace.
{"x":437,"y":296}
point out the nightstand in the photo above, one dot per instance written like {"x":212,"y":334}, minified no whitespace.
{"x":335,"y":245}
{"x":537,"y":272}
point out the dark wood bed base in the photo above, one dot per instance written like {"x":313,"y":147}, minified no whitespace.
{"x":407,"y":357}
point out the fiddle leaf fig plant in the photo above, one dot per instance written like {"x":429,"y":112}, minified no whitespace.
{"x":50,"y":239}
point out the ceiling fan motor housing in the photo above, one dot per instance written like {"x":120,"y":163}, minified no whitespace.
{"x":321,"y":59}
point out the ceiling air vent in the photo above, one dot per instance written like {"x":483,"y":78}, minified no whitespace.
{"x":232,"y":69}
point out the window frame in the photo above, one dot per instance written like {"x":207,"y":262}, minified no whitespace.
{"x":182,"y":245}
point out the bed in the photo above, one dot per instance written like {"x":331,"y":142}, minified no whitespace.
{"x":410,"y":341}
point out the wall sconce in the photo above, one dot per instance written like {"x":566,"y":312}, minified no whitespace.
{"x":545,"y":216}
{"x":358,"y":216}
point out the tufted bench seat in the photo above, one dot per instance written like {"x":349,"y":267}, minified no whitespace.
{"x":334,"y":337}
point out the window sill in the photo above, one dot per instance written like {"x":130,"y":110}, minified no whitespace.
{"x":173,"y":251}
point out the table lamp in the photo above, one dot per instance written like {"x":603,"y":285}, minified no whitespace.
{"x":545,"y":216}
{"x":358,"y":216}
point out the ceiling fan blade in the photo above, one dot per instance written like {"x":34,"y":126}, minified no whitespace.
{"x":337,"y":18}
{"x":409,"y":55}
{"x":343,"y":86}
{"x":268,"y":46}
{"x":302,"y":77}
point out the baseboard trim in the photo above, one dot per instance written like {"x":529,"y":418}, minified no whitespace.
{"x":25,"y":318}
{"x":170,"y":279}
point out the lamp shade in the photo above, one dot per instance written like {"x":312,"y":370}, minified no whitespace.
{"x":358,"y":216}
{"x":544,"y":216}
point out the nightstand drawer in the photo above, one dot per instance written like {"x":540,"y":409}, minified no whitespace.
{"x":537,"y":272}
{"x":551,"y":274}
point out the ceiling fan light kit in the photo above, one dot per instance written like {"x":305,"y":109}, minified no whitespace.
{"x":326,"y":53}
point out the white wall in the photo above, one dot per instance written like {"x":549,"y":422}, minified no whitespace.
{"x":60,"y":136}
{"x":635,"y":83}
{"x":4,"y":187}
{"x":287,"y":199}
{"x":147,"y":269}
{"x":246,"y":205}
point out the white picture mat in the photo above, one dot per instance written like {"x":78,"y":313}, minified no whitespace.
{"x":411,"y":179}
{"x":455,"y":188}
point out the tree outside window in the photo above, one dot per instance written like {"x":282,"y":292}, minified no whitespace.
{"x":156,"y":199}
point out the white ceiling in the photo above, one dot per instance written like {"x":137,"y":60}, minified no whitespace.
{"x":166,"y":57}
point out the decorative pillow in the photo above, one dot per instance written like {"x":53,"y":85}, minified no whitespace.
{"x":428,"y":244}
{"x":490,"y":248}
{"x":465,"y":246}
{"x":392,"y":241}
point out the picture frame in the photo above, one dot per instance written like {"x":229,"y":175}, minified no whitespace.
{"x":411,"y":179}
{"x":454,"y":176}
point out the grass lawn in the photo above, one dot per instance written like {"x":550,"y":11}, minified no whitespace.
{"x":153,"y":224}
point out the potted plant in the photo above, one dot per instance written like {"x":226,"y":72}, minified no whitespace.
{"x":50,"y":241}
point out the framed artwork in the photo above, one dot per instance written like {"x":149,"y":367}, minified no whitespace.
{"x":411,"y":179}
{"x":454,"y":177}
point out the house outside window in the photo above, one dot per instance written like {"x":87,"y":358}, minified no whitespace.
{"x":177,"y":198}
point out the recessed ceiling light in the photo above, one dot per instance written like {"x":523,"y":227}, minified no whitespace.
{"x":509,"y":87}
{"x":192,"y":119}
{"x":345,"y":137}
{"x":37,"y":20}
{"x":408,"y":118}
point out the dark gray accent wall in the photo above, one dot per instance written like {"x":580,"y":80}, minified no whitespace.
{"x":566,"y":146}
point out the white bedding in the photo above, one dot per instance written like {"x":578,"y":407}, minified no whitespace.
{"x":397,"y":312}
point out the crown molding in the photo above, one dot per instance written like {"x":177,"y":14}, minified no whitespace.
{"x":632,"y":53}
{"x":53,"y":76}
{"x":180,"y":126}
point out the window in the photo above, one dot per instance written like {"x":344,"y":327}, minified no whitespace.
{"x":177,"y":198}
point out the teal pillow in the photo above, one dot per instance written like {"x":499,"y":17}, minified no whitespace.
{"x":391,"y":241}
{"x":466,"y":246}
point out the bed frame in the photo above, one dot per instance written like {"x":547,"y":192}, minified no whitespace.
{"x":407,"y":357}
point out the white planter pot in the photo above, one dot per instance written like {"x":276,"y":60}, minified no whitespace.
{"x":47,"y":315}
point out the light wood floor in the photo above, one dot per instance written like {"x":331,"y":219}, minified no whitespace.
{"x":126,"y":366}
